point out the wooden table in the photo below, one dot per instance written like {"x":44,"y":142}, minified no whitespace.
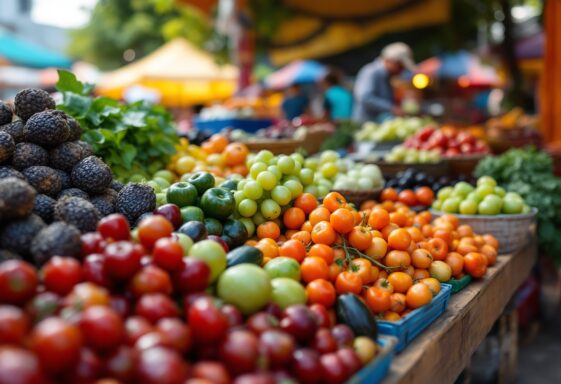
{"x":444,"y":349}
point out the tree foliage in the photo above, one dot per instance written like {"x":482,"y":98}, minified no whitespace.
{"x":142,"y":26}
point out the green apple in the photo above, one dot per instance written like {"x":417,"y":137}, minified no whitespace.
{"x":495,"y":200}
{"x":512,"y":206}
{"x":246,"y":286}
{"x":484,"y":190}
{"x":437,"y":204}
{"x":287,"y":292}
{"x":211,"y":253}
{"x":444,"y":193}
{"x":500,"y":191}
{"x":463,"y":189}
{"x":283,"y":267}
{"x":488,"y":207}
{"x":468,"y":207}
{"x":185,"y":241}
{"x":450,"y":205}
{"x":473,"y":196}
{"x":513,"y":195}
{"x":486,"y":180}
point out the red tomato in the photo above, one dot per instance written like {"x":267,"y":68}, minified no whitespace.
{"x":18,"y":282}
{"x":61,"y":274}
{"x":102,"y":328}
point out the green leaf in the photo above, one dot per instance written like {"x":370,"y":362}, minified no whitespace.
{"x":135,"y":118}
{"x":128,"y":154}
{"x":67,"y":82}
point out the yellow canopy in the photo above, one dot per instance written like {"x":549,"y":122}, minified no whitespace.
{"x":326,"y":27}
{"x":180,"y":72}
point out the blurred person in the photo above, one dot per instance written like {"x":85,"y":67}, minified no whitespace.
{"x":374,"y":95}
{"x":337,"y":100}
{"x":295,"y":102}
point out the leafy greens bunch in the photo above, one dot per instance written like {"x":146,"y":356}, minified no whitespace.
{"x":136,"y":138}
{"x":530,"y":173}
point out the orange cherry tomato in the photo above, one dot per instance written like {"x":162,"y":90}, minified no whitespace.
{"x":323,"y":233}
{"x":334,"y":271}
{"x":293,"y":218}
{"x":313,"y":268}
{"x":384,"y":284}
{"x":268,"y":229}
{"x":438,"y":249}
{"x":379,"y":218}
{"x":360,"y":238}
{"x":342,"y":220}
{"x":475,"y":264}
{"x":398,"y":218}
{"x":323,"y":251}
{"x":235,"y":153}
{"x":421,"y":258}
{"x":293,"y":249}
{"x":492,"y":241}
{"x":407,"y":197}
{"x":391,"y":316}
{"x":377,"y":249}
{"x":397,"y":259}
{"x":418,"y":295}
{"x":397,"y":302}
{"x":456,"y":263}
{"x":334,"y":201}
{"x":363,"y":268}
{"x":302,"y":236}
{"x":389,"y":194}
{"x":377,"y":299}
{"x":433,"y":284}
{"x":307,"y":226}
{"x":348,"y":282}
{"x":399,"y":239}
{"x":321,"y":291}
{"x":319,"y":214}
{"x":400,"y":281}
{"x":420,"y":274}
{"x":306,"y":202}
{"x":424,"y":195}
{"x":269,"y":250}
{"x":389,"y":229}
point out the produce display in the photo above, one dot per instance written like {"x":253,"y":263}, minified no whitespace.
{"x":214,"y":264}
{"x":403,"y":154}
{"x":396,"y":129}
{"x":447,"y":142}
{"x":485,"y":199}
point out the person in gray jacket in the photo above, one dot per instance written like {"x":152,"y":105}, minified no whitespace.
{"x":374,"y":95}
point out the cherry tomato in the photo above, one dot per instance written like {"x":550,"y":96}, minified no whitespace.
{"x":208,"y":324}
{"x":377,"y":299}
{"x":313,"y":268}
{"x":333,"y":370}
{"x":152,"y":228}
{"x":321,"y":291}
{"x":119,"y":364}
{"x":93,"y":270}
{"x":155,"y":306}
{"x":14,"y":324}
{"x":57,"y":344}
{"x":114,"y":226}
{"x":122,"y":259}
{"x":306,"y":366}
{"x":19,"y":365}
{"x":102,"y":328}
{"x":400,"y":281}
{"x":150,"y":279}
{"x":92,"y":242}
{"x":348,"y":282}
{"x":212,"y":371}
{"x":475,"y":264}
{"x":160,"y":365}
{"x":168,"y":254}
{"x":324,"y":342}
{"x":277,"y":346}
{"x":192,"y":276}
{"x":177,"y":332}
{"x":418,"y":295}
{"x":18,"y":282}
{"x":135,"y":328}
{"x":239,"y":351}
{"x":61,"y":274}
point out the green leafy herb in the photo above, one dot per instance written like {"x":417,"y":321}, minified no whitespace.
{"x":135,"y":138}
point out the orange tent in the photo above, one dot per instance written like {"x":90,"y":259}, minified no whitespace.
{"x":550,"y":96}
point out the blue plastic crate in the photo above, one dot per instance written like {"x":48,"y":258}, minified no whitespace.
{"x":377,"y":369}
{"x":406,"y":329}
{"x":248,"y":125}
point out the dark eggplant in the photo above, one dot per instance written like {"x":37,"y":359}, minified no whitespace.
{"x":351,"y":310}
{"x":244,"y":254}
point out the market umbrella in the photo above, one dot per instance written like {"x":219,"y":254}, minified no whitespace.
{"x":20,"y":52}
{"x":181,"y":73}
{"x":462,"y":66}
{"x":297,"y":72}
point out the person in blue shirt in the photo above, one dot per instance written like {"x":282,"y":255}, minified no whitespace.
{"x":338,"y":100}
{"x":295,"y":102}
{"x":373,"y":91}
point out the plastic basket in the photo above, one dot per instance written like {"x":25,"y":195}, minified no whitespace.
{"x":409,"y":327}
{"x":512,"y":231}
{"x":458,"y":285}
{"x":248,"y":125}
{"x":377,"y":369}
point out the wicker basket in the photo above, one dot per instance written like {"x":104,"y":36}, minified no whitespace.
{"x":464,"y":164}
{"x":512,"y":231}
{"x":277,"y":146}
{"x":359,"y":197}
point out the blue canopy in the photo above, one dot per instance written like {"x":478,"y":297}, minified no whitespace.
{"x":27,"y":54}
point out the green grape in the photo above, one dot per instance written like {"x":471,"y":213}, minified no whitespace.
{"x":311,"y":163}
{"x":281,"y":195}
{"x":264,"y":156}
{"x":256,"y":169}
{"x":306,"y":176}
{"x":258,"y":218}
{"x":286,"y":164}
{"x":267,"y":180}
{"x":247,"y":207}
{"x":249,"y":225}
{"x":252,"y":190}
{"x":270,"y":209}
{"x":242,"y":184}
{"x":295,"y":188}
{"x":274,"y":169}
{"x":273,"y":161}
{"x":239,"y":196}
{"x":298,"y":158}
{"x":313,"y":189}
{"x":296,"y":170}
{"x":322,"y":190}
{"x":329,"y":170}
